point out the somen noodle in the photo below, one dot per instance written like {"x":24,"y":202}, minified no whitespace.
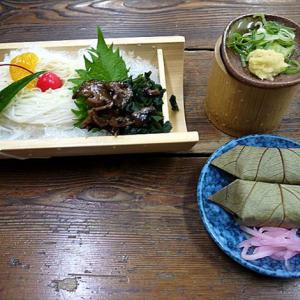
{"x":36,"y":114}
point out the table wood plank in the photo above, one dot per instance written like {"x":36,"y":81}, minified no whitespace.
{"x":123,"y":227}
{"x":201,"y":22}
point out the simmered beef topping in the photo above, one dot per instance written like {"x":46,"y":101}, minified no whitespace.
{"x":105,"y":94}
{"x":142,"y":117}
{"x":108,"y":101}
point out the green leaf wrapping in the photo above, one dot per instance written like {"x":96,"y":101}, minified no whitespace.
{"x":8,"y":93}
{"x":278,"y":165}
{"x":261,"y":204}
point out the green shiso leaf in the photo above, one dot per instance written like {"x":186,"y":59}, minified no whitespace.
{"x":8,"y":93}
{"x":105,"y":64}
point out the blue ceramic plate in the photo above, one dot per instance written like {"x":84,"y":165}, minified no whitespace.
{"x":220,"y":224}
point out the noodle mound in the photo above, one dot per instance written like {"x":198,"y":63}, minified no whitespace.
{"x":32,"y":111}
{"x":36,"y":114}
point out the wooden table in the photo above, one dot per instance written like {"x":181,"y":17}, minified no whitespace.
{"x":125,"y":227}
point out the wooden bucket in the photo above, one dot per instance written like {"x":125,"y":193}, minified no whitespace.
{"x":240,"y":109}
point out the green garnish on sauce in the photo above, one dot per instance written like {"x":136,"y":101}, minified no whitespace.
{"x":267,"y":35}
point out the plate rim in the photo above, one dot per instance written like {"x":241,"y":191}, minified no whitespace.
{"x":200,"y":201}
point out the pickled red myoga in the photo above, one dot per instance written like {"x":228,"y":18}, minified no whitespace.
{"x":278,"y":243}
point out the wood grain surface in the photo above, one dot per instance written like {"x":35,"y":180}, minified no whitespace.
{"x":122,"y":227}
{"x":201,"y":22}
{"x":125,"y":227}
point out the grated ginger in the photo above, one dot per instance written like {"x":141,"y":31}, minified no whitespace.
{"x":266,"y":64}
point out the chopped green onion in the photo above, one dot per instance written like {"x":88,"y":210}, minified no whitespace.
{"x":266,"y":35}
{"x":292,"y":68}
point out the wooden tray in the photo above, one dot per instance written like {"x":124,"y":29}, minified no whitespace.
{"x":167,"y":54}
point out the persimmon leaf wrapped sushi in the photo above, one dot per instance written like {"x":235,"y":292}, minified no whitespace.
{"x":261,"y":204}
{"x":278,"y":165}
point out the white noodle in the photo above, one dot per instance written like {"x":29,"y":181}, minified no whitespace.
{"x":32,"y":110}
{"x":36,"y":114}
{"x":51,"y":108}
